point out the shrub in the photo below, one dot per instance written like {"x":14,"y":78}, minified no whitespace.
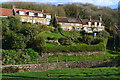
{"x":75,"y":48}
{"x":19,"y":56}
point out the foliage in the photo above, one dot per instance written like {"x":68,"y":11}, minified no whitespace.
{"x":64,"y":57}
{"x":19,"y":56}
{"x":13,"y":41}
{"x":87,"y":39}
{"x":103,"y":34}
{"x":114,"y":43}
{"x":75,"y":48}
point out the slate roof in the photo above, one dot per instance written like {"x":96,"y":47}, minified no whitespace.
{"x":68,"y":20}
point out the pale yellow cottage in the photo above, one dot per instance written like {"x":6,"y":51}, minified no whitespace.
{"x":88,"y":25}
{"x":32,"y":16}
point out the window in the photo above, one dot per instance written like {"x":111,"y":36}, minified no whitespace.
{"x":72,"y":24}
{"x":77,"y":28}
{"x":40,"y":15}
{"x":70,"y":28}
{"x":100,"y":24}
{"x":48,"y":16}
{"x":77,"y":24}
{"x":89,"y":29}
{"x":31,"y":14}
{"x":21,"y":13}
{"x":40,"y":21}
{"x":63,"y":23}
{"x":63,"y":27}
{"x":95,"y":29}
{"x":89,"y":24}
{"x":95,"y":24}
{"x":47,"y":23}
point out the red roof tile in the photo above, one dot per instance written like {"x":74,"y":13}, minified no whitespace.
{"x":6,"y":12}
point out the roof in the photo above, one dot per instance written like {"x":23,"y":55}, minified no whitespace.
{"x":24,"y":10}
{"x":67,"y":20}
{"x":6,"y":12}
{"x":85,"y":21}
{"x":33,"y":11}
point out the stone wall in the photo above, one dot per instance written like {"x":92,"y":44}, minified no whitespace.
{"x":76,"y":53}
{"x":60,"y":65}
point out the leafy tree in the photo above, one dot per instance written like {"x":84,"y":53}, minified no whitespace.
{"x":103,"y":34}
{"x":13,"y":41}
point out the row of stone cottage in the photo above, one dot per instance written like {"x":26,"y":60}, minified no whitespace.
{"x":89,"y":25}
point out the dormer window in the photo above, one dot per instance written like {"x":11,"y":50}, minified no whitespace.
{"x":95,"y":24}
{"x":40,"y":15}
{"x":100,"y":24}
{"x":21,"y":13}
{"x":89,"y":24}
{"x":31,"y":14}
{"x":48,"y":16}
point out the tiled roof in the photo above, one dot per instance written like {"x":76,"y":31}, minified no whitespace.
{"x":27,"y":10}
{"x":6,"y":12}
{"x":67,"y":20}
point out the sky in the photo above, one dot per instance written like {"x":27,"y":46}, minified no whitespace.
{"x":109,"y":3}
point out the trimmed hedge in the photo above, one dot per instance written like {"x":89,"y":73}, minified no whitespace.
{"x":19,"y":56}
{"x":77,"y":48}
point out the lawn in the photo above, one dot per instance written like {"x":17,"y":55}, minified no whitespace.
{"x":62,"y":58}
{"x":101,"y":72}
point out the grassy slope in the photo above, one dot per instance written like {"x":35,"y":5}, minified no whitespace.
{"x":104,"y":72}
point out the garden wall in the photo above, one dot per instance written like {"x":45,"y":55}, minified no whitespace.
{"x":76,"y":53}
{"x":59,"y":65}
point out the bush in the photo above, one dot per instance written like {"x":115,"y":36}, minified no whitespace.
{"x":19,"y":56}
{"x":75,"y":48}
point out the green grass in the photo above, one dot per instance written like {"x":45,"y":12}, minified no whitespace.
{"x":104,"y":72}
{"x":50,"y":34}
{"x":62,"y":58}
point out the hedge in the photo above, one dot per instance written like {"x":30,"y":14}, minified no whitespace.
{"x":78,"y":48}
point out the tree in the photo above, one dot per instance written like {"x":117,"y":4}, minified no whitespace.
{"x":13,"y":41}
{"x":103,"y":34}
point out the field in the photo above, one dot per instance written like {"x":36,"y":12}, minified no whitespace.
{"x":103,"y":72}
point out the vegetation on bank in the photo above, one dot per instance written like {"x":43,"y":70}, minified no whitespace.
{"x":18,"y":37}
{"x":91,"y":73}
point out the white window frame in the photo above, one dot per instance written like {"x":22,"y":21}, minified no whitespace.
{"x":77,"y":28}
{"x":40,"y":14}
{"x":31,"y":14}
{"x":77,"y":24}
{"x":95,"y":24}
{"x":21,"y":13}
{"x":72,"y":24}
{"x":100,"y":24}
{"x":48,"y":16}
{"x":89,"y":24}
{"x":47,"y":23}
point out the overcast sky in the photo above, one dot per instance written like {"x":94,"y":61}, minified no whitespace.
{"x":109,"y":3}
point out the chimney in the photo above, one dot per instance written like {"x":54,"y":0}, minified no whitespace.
{"x":42,"y":11}
{"x":90,"y":18}
{"x":13,"y":6}
{"x":100,"y":19}
{"x":13,"y":9}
